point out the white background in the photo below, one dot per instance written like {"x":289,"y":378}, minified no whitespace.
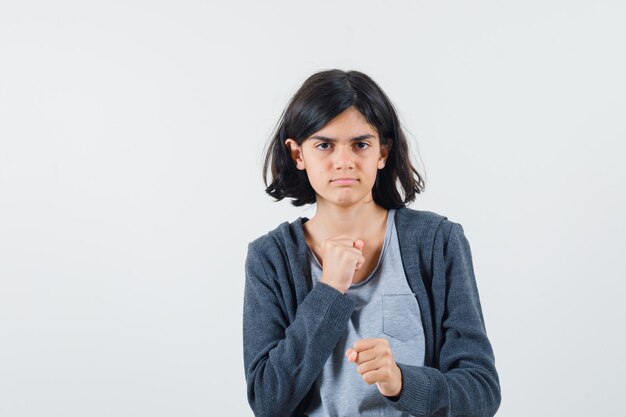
{"x":131,"y":136}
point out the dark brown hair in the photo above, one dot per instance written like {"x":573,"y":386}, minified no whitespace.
{"x":322,"y":97}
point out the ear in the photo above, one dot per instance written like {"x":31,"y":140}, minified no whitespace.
{"x":295,"y":151}
{"x":384,"y":153}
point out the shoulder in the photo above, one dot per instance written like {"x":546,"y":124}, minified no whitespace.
{"x":277,"y":255}
{"x":434,"y":230}
{"x":425,"y":221}
{"x":276,"y":242}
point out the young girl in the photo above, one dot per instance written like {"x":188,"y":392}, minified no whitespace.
{"x":369,"y":307}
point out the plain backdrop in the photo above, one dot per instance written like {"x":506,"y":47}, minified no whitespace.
{"x":131,"y":139}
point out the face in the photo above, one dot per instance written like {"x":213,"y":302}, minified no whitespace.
{"x":342,"y":159}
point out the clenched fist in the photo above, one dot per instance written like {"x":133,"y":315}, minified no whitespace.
{"x":376,"y":365}
{"x":341,"y":256}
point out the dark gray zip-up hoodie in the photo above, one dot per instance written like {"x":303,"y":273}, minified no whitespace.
{"x":290,"y":327}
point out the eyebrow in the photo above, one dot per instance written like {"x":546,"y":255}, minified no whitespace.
{"x":354,"y":139}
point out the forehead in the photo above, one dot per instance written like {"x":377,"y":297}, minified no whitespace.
{"x":347,"y":126}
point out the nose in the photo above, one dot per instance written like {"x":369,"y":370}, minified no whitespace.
{"x":344,"y":157}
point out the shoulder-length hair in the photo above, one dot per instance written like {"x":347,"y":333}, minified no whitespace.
{"x":322,"y":97}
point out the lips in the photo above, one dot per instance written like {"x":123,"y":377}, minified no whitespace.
{"x":344,"y":178}
{"x":345,"y":181}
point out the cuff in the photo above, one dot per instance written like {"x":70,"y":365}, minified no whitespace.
{"x":415,"y":394}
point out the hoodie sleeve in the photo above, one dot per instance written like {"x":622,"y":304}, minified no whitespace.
{"x":282,"y":359}
{"x":466,"y":382}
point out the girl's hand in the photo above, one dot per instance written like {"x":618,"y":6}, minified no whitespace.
{"x":341,"y":256}
{"x":376,"y":365}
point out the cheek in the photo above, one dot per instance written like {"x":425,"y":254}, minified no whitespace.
{"x":315,"y":175}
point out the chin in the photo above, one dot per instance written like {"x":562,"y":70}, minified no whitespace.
{"x":347,"y":200}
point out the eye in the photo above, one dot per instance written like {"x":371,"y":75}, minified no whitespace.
{"x":323,"y":143}
{"x":367,"y":145}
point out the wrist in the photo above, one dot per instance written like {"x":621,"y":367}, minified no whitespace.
{"x":396,"y":394}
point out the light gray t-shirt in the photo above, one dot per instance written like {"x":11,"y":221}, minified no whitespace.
{"x":385,"y":307}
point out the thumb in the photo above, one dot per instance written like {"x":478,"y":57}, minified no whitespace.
{"x":359,"y":244}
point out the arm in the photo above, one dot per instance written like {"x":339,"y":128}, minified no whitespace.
{"x":466,"y":382}
{"x":282,"y":359}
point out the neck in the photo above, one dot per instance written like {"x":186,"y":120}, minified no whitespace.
{"x":357,"y":220}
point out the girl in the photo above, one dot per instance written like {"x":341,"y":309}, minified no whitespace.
{"x":369,"y":307}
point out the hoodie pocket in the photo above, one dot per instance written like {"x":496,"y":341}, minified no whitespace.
{"x":401,"y":316}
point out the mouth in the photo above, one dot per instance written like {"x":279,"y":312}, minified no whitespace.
{"x":344,"y":181}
